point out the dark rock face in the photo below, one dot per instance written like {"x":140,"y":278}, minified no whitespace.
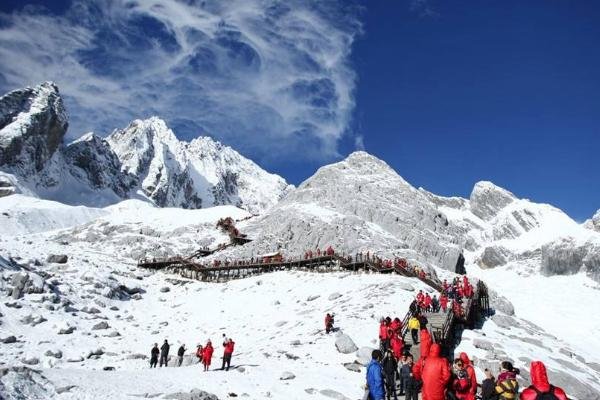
{"x":92,"y":160}
{"x":33,"y":122}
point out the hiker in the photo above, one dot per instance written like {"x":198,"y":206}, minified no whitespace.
{"x":421,"y":299}
{"x":154,"y":356}
{"x":199,"y":353}
{"x":422,"y":321}
{"x":375,"y":376}
{"x":435,"y":304}
{"x":414,"y":307}
{"x":180,"y":353}
{"x":227,"y":352}
{"x":507,"y":386}
{"x":488,"y":386}
{"x":435,"y":374}
{"x":396,"y":325}
{"x":461,"y":384}
{"x":427,"y":302}
{"x":207,"y":355}
{"x":413,"y":325}
{"x":408,"y":381}
{"x":384,"y":342}
{"x":472,"y":377}
{"x":444,"y":302}
{"x":164,"y":353}
{"x":396,"y":344}
{"x":390,"y":367}
{"x":540,"y":388}
{"x":328,"y":323}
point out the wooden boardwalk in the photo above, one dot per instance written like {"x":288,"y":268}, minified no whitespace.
{"x":442,"y":326}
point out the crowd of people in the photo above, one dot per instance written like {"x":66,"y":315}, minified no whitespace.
{"x":203,"y":354}
{"x":393,"y":370}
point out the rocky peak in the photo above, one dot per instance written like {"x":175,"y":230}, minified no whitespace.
{"x":33,"y":122}
{"x":488,"y":199}
{"x":594,"y":222}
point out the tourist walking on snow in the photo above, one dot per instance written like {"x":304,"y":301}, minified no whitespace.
{"x":540,"y":388}
{"x":164,"y":353}
{"x":227,"y":352}
{"x":199,"y":353}
{"x":180,"y":353}
{"x":329,"y":323}
{"x":375,"y":377}
{"x":154,"y":356}
{"x":435,"y":374}
{"x":207,"y":355}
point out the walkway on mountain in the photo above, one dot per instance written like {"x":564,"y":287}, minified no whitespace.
{"x":441,"y":325}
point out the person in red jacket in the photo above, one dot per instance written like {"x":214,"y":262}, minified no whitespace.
{"x":383,"y":335}
{"x":427,"y":302}
{"x":426,"y":340}
{"x":227,"y":352}
{"x":328,"y":323}
{"x":472,"y":377}
{"x":417,"y":368}
{"x":444,"y":302}
{"x":435,"y":375}
{"x":540,"y":384}
{"x":396,"y":325}
{"x":397,"y":344}
{"x":207,"y":355}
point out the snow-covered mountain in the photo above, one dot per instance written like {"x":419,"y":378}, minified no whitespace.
{"x":145,"y":160}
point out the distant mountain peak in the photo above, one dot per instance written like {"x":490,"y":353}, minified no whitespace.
{"x":487,"y":199}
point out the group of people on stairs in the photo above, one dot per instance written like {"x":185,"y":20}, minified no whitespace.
{"x":203,"y":354}
{"x":432,"y":375}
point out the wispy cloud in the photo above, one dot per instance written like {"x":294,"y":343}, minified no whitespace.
{"x":269,"y":77}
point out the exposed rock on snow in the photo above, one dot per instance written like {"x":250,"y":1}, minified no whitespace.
{"x":54,"y":353}
{"x":9,"y":339}
{"x":566,"y":256}
{"x":286,"y":376}
{"x":101,"y":325}
{"x":493,"y":256}
{"x":353,"y":366}
{"x":194,"y":394}
{"x":594,"y":222}
{"x":57,"y":258}
{"x":344,"y":344}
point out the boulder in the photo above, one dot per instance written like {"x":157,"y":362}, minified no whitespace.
{"x":19,"y":281}
{"x":97,"y":352}
{"x":9,"y":339}
{"x":363,"y":355}
{"x":333,"y":394}
{"x":483,"y":344}
{"x":313,"y":297}
{"x":194,"y":394}
{"x":334,"y":296}
{"x":353,"y":366}
{"x":344,"y":344}
{"x":493,"y":256}
{"x":165,"y":289}
{"x":136,"y":356}
{"x":286,"y":376}
{"x":31,"y":361}
{"x":57,"y":258}
{"x":55,"y":353}
{"x":100,"y":325}
{"x":501,"y":303}
{"x":66,"y":330}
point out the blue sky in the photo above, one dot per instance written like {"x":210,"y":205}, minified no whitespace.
{"x":448,"y":93}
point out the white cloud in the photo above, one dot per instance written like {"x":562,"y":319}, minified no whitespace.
{"x":267,"y":77}
{"x":359,"y":142}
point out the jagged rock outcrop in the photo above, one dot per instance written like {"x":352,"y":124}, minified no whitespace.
{"x":493,"y":256}
{"x":487,"y":199}
{"x":143,"y":160}
{"x":566,"y":256}
{"x":33,"y":122}
{"x":594,"y":222}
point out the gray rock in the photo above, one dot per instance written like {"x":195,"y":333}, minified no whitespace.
{"x":344,"y":344}
{"x":113,"y":334}
{"x":493,"y":256}
{"x":363,"y":355}
{"x":65,"y":389}
{"x":483,"y":344}
{"x":75,"y":359}
{"x":194,"y":394}
{"x":19,"y":281}
{"x":405,"y":286}
{"x":31,"y":361}
{"x":90,"y":310}
{"x":313,"y":297}
{"x":57,"y":258}
{"x":55,"y":353}
{"x":66,"y":330}
{"x":280,"y":323}
{"x":136,"y":356}
{"x":97,"y":352}
{"x":334,"y":296}
{"x":501,"y":303}
{"x":286,"y":376}
{"x":9,"y":339}
{"x":165,"y":289}
{"x":353,"y":366}
{"x":100,"y":325}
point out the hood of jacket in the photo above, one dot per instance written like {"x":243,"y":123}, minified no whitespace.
{"x":465,"y":359}
{"x":435,"y":350}
{"x":539,"y":377}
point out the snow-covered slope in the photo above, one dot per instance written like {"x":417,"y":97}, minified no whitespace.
{"x":144,"y":161}
{"x":358,"y":204}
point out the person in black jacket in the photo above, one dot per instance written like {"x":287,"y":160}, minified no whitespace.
{"x":154,"y":356}
{"x":411,"y":385}
{"x":488,"y":386}
{"x":164,"y":353}
{"x":180,"y":353}
{"x":390,"y":368}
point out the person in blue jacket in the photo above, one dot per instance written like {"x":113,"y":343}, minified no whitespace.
{"x":375,"y":377}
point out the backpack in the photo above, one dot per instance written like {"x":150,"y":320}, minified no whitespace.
{"x":462,"y":384}
{"x":509,"y":389}
{"x":545,"y":395}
